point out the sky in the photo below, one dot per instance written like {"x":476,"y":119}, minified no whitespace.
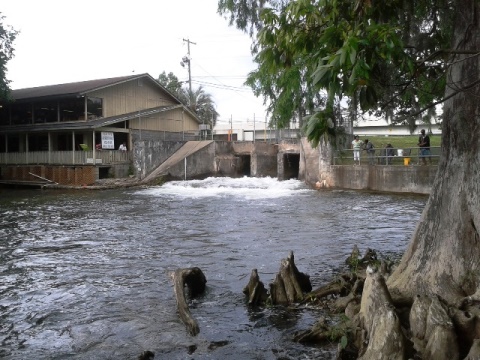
{"x":68,"y":41}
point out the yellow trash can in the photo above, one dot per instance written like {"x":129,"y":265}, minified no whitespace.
{"x":406,"y":161}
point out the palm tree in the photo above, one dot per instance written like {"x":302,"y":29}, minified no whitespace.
{"x":202,"y":104}
{"x":198,"y":101}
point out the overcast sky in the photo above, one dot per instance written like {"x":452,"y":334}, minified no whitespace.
{"x":67,"y":41}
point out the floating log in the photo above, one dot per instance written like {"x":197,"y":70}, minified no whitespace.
{"x":195,"y":281}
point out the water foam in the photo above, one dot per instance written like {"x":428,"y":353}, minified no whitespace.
{"x":247,"y":188}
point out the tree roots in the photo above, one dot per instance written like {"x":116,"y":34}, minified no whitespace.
{"x":374,"y":325}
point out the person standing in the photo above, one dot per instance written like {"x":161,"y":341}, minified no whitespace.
{"x":357,"y":147}
{"x":370,"y":152}
{"x":390,"y":153}
{"x":123,"y":147}
{"x":424,"y":145}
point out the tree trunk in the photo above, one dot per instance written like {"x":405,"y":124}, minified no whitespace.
{"x":444,"y":252}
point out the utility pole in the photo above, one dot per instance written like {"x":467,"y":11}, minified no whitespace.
{"x":186,"y":59}
{"x":253,"y":127}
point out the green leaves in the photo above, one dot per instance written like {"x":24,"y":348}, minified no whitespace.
{"x":373,"y":52}
{"x":319,"y":124}
{"x":7,"y":38}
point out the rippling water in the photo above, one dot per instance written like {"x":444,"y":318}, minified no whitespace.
{"x":86,"y":274}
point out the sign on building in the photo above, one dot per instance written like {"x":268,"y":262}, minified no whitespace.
{"x":107,"y":140}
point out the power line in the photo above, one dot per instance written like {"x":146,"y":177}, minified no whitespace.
{"x":224,"y":87}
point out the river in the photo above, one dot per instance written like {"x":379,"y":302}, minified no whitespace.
{"x":87,"y":274}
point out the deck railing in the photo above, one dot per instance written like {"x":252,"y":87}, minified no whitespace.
{"x":388,"y":156}
{"x":104,"y":157}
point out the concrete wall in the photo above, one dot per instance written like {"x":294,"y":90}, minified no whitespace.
{"x":402,"y":179}
{"x":225,"y":159}
{"x":264,"y":160}
{"x":220,"y":158}
{"x":148,"y":155}
{"x":309,"y":163}
{"x":316,"y":171}
{"x":198,"y":165}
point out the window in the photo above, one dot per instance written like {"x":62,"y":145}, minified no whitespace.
{"x":4,"y":115}
{"x":94,"y":108}
{"x":72,"y":109}
{"x":44,"y":112}
{"x":21,"y":114}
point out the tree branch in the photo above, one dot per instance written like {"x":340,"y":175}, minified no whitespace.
{"x":475,"y":83}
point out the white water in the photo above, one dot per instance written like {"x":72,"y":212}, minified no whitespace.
{"x":245,"y":188}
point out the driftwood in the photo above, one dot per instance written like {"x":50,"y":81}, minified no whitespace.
{"x":319,"y":333}
{"x":346,"y":287}
{"x":341,"y":286}
{"x":290,"y":284}
{"x":195,"y":281}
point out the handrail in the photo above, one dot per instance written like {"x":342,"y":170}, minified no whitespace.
{"x":89,"y":157}
{"x":388,"y":156}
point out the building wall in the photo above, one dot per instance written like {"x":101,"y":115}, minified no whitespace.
{"x":176,"y":120}
{"x":64,"y":175}
{"x":132,"y":96}
{"x":142,"y":94}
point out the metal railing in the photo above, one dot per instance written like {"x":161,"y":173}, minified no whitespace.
{"x":388,"y":156}
{"x":105,"y":157}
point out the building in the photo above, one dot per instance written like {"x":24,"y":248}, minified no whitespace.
{"x":81,"y":125}
{"x":380,"y":127}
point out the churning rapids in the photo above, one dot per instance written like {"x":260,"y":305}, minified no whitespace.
{"x":87,"y":274}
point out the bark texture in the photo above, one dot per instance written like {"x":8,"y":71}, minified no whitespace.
{"x":442,"y":258}
{"x":255,"y":290}
{"x":290,"y":284}
{"x":195,"y":281}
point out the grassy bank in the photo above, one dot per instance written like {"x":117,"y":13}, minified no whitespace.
{"x":409,"y":144}
{"x":400,"y":142}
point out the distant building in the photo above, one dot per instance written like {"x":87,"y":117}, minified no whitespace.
{"x":379,"y":127}
{"x":84,"y":123}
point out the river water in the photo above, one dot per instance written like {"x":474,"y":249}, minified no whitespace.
{"x":87,"y":274}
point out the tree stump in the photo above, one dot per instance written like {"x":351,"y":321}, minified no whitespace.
{"x":255,"y":290}
{"x":290,"y":284}
{"x":195,"y":281}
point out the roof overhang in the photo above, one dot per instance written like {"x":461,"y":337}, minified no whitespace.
{"x":94,"y":124}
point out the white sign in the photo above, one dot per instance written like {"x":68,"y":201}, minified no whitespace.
{"x":107,"y":140}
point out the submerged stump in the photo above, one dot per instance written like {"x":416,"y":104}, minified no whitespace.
{"x":255,"y":290}
{"x":289,"y":285}
{"x":195,"y":281}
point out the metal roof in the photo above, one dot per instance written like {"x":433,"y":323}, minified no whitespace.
{"x":82,"y":88}
{"x":91,"y":124}
{"x":77,"y":88}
